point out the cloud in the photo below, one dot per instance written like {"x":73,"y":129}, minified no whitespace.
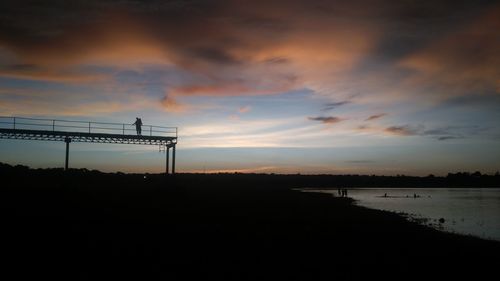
{"x":380,"y":52}
{"x":327,"y":119}
{"x":333,"y":105}
{"x":483,"y":100}
{"x":402,"y":130}
{"x":363,"y":127}
{"x":33,"y":72}
{"x":244,"y":109}
{"x":48,"y":108}
{"x":438,"y":133}
{"x":220,"y":89}
{"x":277,"y":60}
{"x":457,"y":132}
{"x":462,"y":62}
{"x":448,"y":138}
{"x":376,"y":116}
{"x":47,"y":101}
{"x":171,"y":105}
{"x":211,"y":54}
{"x":226,"y":49}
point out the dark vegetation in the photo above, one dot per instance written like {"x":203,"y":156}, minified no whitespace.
{"x":459,"y":179}
{"x":87,"y":225}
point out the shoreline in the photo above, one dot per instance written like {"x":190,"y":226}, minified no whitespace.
{"x":126,"y":227}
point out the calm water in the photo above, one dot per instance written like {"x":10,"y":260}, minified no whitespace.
{"x":474,"y":211}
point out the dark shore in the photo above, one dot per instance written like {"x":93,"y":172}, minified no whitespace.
{"x":84,"y":225}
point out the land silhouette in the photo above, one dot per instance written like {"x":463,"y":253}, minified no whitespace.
{"x":87,"y":225}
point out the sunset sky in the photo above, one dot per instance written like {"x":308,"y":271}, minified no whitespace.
{"x":296,"y":86}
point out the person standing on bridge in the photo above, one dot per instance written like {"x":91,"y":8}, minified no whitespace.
{"x":138,"y":124}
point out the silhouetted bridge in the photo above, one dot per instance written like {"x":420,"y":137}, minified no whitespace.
{"x":22,"y":128}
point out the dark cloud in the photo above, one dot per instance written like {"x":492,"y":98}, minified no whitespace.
{"x":225,"y":25}
{"x":376,"y":116}
{"x":458,"y":132}
{"x":220,"y":42}
{"x":363,"y":127}
{"x":402,"y":130}
{"x":198,"y":29}
{"x":21,"y":67}
{"x":477,"y":100}
{"x":411,"y":25}
{"x":215,"y":55}
{"x":448,"y":138}
{"x":333,"y":105}
{"x":440,"y":133}
{"x":327,"y":119}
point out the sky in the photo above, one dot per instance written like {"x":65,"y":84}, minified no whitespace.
{"x":296,"y":86}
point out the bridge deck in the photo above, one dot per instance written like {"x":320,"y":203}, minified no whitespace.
{"x":85,"y":137}
{"x":22,"y":128}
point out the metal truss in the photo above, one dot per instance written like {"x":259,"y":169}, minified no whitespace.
{"x":68,"y":137}
{"x":86,"y":137}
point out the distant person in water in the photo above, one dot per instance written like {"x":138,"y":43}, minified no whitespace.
{"x":344,"y":192}
{"x":138,"y":124}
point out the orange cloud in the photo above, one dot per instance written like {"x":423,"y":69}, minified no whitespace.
{"x":34,"y":107}
{"x":53,"y":75}
{"x":244,"y":109}
{"x":336,"y":49}
{"x":229,"y":89}
{"x":228,"y":56}
{"x":171,"y":105}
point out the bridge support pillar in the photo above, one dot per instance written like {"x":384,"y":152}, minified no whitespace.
{"x":173,"y":160}
{"x":167,"y":151}
{"x":67,"y":141}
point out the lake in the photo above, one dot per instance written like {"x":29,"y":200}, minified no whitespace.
{"x":470,"y":211}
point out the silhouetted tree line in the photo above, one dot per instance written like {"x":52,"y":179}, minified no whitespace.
{"x":21,"y":173}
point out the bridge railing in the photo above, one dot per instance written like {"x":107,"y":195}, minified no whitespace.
{"x":25,"y":123}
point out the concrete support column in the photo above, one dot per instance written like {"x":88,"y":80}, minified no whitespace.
{"x":167,"y":151}
{"x":173,"y":160}
{"x":67,"y":141}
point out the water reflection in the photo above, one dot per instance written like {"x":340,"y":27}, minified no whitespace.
{"x":472,"y":211}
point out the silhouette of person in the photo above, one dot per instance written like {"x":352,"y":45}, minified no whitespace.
{"x":344,"y":192}
{"x":138,"y":124}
